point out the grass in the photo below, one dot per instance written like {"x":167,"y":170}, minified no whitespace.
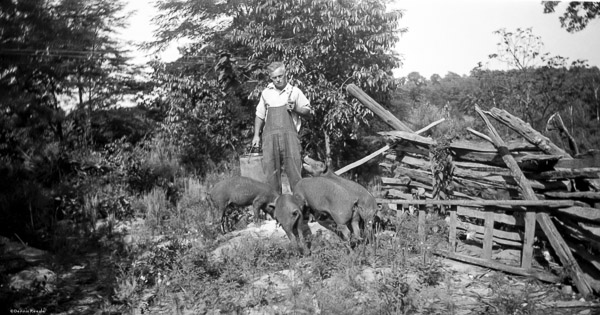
{"x":169,"y":267}
{"x":330,"y":281}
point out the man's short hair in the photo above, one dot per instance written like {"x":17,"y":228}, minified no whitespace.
{"x":275,"y":65}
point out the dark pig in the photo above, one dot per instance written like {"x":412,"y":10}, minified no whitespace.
{"x":243,"y":191}
{"x":367,"y":205}
{"x":322,"y":195}
{"x":288,"y":213}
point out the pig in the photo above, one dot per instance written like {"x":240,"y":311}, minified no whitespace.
{"x":324,"y":196}
{"x":243,"y":191}
{"x":367,"y":205}
{"x":288,"y":213}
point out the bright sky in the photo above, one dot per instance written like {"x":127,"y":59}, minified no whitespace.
{"x":455,"y":35}
{"x":445,"y":36}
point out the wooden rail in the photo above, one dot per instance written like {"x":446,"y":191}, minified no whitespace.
{"x":484,"y":203}
{"x":486,"y":234}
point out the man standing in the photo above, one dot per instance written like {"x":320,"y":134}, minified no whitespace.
{"x":278,"y":112}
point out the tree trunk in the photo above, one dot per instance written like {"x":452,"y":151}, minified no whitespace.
{"x":597,"y":103}
{"x":327,"y":149}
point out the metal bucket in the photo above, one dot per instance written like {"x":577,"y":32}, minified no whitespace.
{"x":251,"y":165}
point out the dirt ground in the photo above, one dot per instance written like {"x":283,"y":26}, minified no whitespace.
{"x":424,"y":284}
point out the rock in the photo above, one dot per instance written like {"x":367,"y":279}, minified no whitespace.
{"x":266,"y":230}
{"x":14,"y":250}
{"x":567,"y":289}
{"x":279,"y":283}
{"x":32,"y":255}
{"x":33,"y":278}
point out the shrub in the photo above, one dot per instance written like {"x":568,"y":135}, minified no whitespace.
{"x":155,"y":208}
{"x":156,"y":164}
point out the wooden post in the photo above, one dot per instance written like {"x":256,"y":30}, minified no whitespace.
{"x":525,"y":130}
{"x":488,"y":235}
{"x":544,"y":276}
{"x":421,"y":227}
{"x":452,"y":236}
{"x":528,"y":238}
{"x":376,"y":108}
{"x":556,"y":240}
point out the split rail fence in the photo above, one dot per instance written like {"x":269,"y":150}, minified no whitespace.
{"x":518,"y":186}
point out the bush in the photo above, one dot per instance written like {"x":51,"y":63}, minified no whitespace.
{"x":156,"y":164}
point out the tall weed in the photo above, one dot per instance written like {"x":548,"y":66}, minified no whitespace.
{"x":155,"y":208}
{"x":193,"y":212}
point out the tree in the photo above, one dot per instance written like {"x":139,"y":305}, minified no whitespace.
{"x":325,"y":44}
{"x":539,"y":84}
{"x":518,"y":90}
{"x":519,"y":49}
{"x":49,"y":50}
{"x":98,"y":70}
{"x":55,"y":48}
{"x":577,"y":15}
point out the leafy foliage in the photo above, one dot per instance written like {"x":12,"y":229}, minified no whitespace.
{"x":206,"y":124}
{"x":538,"y":86}
{"x":324,"y":44}
{"x":577,"y":15}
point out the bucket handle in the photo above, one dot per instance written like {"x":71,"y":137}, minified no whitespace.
{"x":248,"y":152}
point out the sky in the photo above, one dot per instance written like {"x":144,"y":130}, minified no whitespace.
{"x":443,"y":36}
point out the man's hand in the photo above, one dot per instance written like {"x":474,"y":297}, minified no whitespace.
{"x":290,"y":105}
{"x":255,"y":141}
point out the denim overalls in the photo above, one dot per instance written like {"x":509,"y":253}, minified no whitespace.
{"x":281,"y":143}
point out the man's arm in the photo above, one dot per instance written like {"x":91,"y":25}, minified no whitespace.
{"x":302,"y":105}
{"x":303,"y":111}
{"x":258,"y":125}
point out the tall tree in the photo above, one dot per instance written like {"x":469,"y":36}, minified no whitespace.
{"x":52,"y":49}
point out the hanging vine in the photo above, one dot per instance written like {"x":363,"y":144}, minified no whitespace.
{"x":442,"y":169}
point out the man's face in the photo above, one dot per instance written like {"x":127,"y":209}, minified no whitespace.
{"x":278,"y":78}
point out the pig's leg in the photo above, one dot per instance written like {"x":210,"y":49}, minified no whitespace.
{"x":356,"y":222}
{"x":304,"y":232}
{"x":345,"y":232}
{"x":256,"y":205}
{"x":222,"y":210}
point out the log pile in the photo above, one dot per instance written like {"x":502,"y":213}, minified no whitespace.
{"x":478,"y":173}
{"x":500,"y":192}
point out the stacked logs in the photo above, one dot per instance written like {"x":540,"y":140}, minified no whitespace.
{"x":477,"y":172}
{"x":505,"y":179}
